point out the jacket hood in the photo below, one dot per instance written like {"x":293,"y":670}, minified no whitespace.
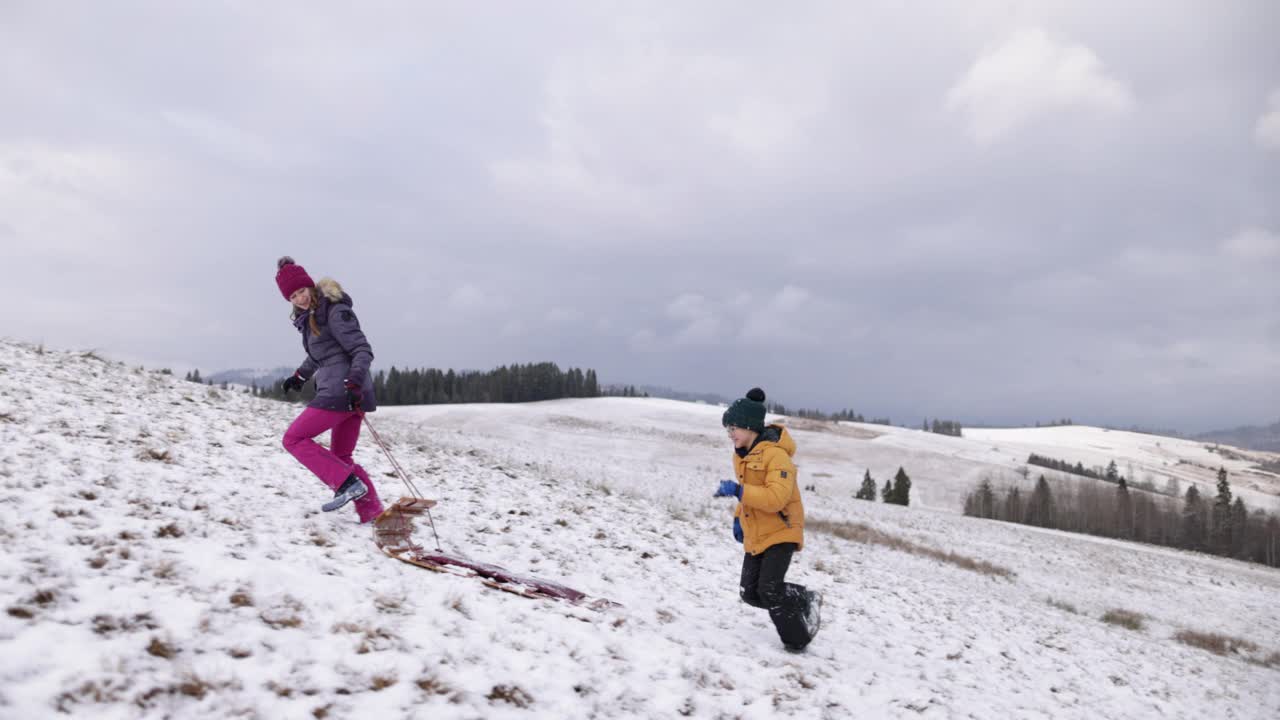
{"x":784,"y":441}
{"x":330,"y":290}
{"x":776,"y":435}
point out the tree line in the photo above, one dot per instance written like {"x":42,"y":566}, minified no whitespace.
{"x":431,"y":386}
{"x":1220,"y":524}
{"x":943,"y":427}
{"x":1064,"y":466}
{"x":812,"y":414}
{"x":623,"y":391}
{"x":1111,"y":474}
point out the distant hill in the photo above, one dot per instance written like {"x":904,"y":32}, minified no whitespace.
{"x":670,"y":394}
{"x":1252,"y":437}
{"x":248,"y":376}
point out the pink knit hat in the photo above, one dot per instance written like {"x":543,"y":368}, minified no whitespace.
{"x":291,"y":277}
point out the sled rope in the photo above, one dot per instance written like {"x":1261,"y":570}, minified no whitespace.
{"x":403,"y":476}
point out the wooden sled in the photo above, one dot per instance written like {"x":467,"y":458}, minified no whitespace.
{"x":393,"y":534}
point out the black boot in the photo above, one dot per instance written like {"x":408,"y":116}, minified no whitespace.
{"x":352,"y":489}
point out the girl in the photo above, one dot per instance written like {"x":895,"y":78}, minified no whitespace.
{"x":338,"y":355}
{"x":769,"y":520}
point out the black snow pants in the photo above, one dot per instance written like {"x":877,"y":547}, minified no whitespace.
{"x":763,"y":586}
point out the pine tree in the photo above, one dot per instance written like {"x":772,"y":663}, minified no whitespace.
{"x":868,"y":489}
{"x":985,"y":500}
{"x":1192,"y":524}
{"x":1013,"y":505}
{"x":886,"y":493}
{"x":1239,"y":528}
{"x":901,"y":488}
{"x":1113,"y":473}
{"x":1124,"y":510}
{"x":1220,"y":534}
{"x":1040,"y":507}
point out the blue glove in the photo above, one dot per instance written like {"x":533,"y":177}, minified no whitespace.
{"x":737,"y":530}
{"x":729,"y":488}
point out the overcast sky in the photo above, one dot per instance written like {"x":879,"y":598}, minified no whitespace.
{"x":992,"y":211}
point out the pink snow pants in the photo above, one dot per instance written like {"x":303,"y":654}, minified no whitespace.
{"x":333,"y":464}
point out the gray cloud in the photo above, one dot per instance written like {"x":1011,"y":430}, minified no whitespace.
{"x":1003,"y":213}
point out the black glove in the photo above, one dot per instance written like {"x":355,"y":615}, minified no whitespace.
{"x":293,"y":382}
{"x":355,"y":394}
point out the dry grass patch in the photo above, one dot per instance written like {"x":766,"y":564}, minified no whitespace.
{"x":1064,"y":606}
{"x":432,"y":685}
{"x":161,"y":649}
{"x":91,"y":691}
{"x":287,"y":614}
{"x":391,"y":604}
{"x":382,"y":682}
{"x":1125,"y":618}
{"x":510,"y":694}
{"x":189,"y":685}
{"x":110,"y":624}
{"x":241,"y":598}
{"x":372,"y":638}
{"x":154,"y":455}
{"x":1213,"y":642}
{"x":164,"y":569}
{"x":170,"y":531}
{"x":859,"y":532}
{"x":1224,"y":645}
{"x":283,"y":691}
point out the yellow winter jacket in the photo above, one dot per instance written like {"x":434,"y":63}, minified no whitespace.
{"x":771,"y":511}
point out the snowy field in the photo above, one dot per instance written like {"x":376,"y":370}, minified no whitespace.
{"x":164,"y":557}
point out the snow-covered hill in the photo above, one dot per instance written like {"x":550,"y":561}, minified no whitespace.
{"x":164,"y":557}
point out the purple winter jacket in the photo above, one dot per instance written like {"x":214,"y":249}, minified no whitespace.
{"x":338,"y":352}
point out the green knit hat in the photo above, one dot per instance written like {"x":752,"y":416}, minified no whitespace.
{"x":747,"y":412}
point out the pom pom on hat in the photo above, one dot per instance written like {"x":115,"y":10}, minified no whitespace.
{"x":755,"y":394}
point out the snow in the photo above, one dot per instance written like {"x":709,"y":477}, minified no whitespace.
{"x":216,"y":555}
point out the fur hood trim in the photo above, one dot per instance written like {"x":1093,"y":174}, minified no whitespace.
{"x":330,"y":289}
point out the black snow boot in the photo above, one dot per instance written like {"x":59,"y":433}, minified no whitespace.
{"x":352,"y":489}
